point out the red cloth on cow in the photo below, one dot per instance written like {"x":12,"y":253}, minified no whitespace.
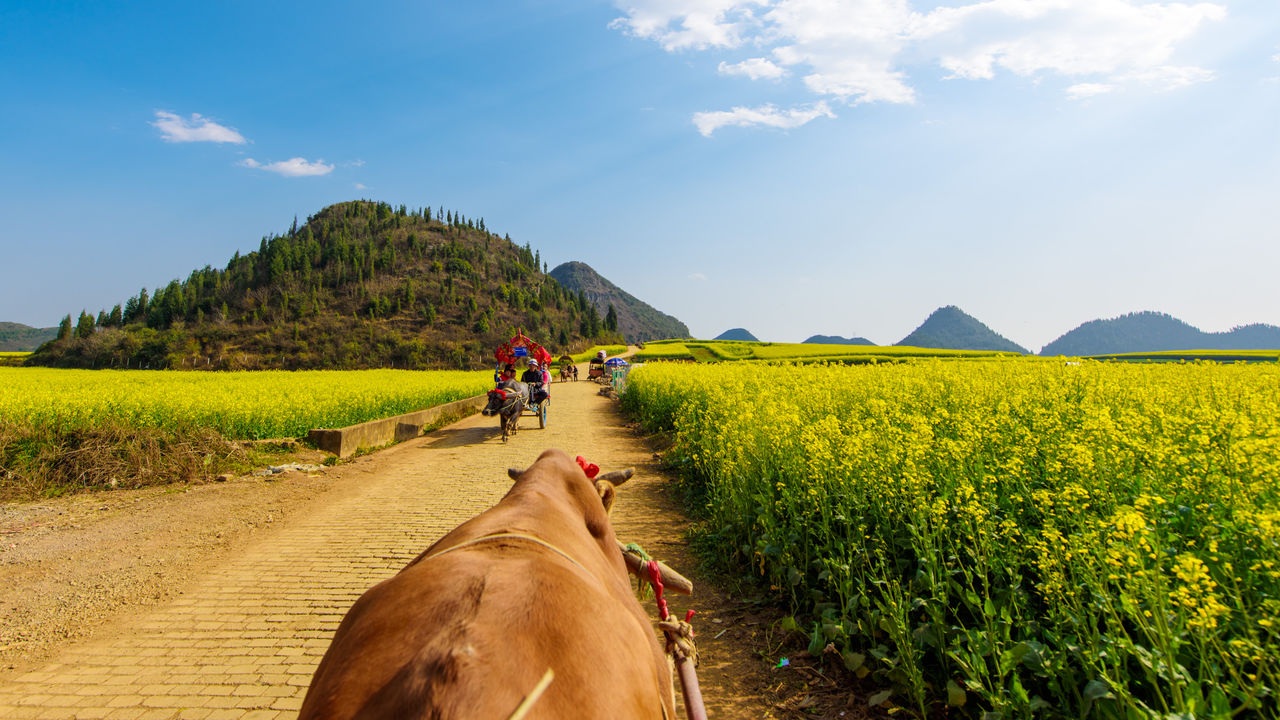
{"x":591,"y":469}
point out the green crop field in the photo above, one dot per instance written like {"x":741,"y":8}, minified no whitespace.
{"x":69,"y":430}
{"x":664,"y":350}
{"x":1194,"y":355}
{"x":609,"y":350}
{"x":1011,"y":537}
{"x":12,"y":359}
{"x":244,"y":405}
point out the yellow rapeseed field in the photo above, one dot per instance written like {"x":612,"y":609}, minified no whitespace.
{"x":247,"y":405}
{"x":1012,"y":536}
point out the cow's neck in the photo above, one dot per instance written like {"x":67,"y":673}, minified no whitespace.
{"x":547,"y":504}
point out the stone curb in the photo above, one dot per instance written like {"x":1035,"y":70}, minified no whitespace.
{"x":344,"y":442}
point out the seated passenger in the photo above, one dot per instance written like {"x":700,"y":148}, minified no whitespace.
{"x":508,"y":373}
{"x":539,"y":382}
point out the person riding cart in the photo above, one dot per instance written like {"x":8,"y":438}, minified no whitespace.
{"x":538,"y":380}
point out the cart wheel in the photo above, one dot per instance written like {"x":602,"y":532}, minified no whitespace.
{"x":542,"y":414}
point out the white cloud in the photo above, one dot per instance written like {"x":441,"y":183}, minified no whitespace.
{"x":175,"y":128}
{"x":1168,"y":77}
{"x":1081,"y":91}
{"x":1070,"y":37}
{"x":1162,"y":78}
{"x":767,"y":115}
{"x":689,"y":24}
{"x":857,"y":51}
{"x":361,"y":186}
{"x":697,"y":276}
{"x":755,"y":68}
{"x":293,"y":167}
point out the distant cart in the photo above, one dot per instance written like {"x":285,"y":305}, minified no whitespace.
{"x":568,"y":371}
{"x":596,"y":370}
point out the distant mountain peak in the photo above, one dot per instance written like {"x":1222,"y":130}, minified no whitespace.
{"x":951,"y":328}
{"x":837,"y":340}
{"x":738,"y":334}
{"x":637,"y":320}
{"x":1151,"y":331}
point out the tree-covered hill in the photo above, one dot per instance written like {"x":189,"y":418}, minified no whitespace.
{"x":636,"y":320}
{"x":360,"y":284}
{"x":16,"y":337}
{"x":837,"y":340}
{"x":952,"y":328}
{"x":1154,"y":332}
{"x":738,"y":334}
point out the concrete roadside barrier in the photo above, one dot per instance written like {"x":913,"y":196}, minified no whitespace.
{"x":343,"y":442}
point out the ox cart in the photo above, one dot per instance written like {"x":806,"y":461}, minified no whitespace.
{"x":596,"y":369}
{"x":513,"y":399}
{"x":568,"y":370}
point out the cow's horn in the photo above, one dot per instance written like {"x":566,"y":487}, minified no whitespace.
{"x":617,"y":477}
{"x":514,"y":474}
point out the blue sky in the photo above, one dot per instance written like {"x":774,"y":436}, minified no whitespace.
{"x":790,"y":166}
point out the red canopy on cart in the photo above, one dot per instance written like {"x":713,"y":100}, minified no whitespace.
{"x":521,"y":346}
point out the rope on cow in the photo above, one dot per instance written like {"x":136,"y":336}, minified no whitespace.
{"x":679,"y":635}
{"x":509,"y":536}
{"x":523,"y":708}
{"x":513,"y":403}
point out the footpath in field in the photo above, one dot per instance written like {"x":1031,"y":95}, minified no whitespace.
{"x":243,"y":638}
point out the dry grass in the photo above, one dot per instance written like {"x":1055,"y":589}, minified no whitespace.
{"x":41,"y":462}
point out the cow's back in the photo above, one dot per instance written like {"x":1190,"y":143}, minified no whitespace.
{"x":470,"y":633}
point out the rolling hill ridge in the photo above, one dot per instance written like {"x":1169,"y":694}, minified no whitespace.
{"x":637,"y":320}
{"x":358,"y":285}
{"x":1155,"y":332}
{"x":16,"y":337}
{"x":837,"y":340}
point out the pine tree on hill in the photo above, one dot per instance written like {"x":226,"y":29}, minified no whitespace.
{"x":84,"y":326}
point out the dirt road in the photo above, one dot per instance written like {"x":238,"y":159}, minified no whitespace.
{"x":217,"y":601}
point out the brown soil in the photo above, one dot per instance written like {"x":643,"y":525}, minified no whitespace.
{"x":76,"y":571}
{"x":69,"y":565}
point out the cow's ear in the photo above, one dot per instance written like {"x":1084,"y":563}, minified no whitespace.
{"x":617,"y":477}
{"x":606,"y":491}
{"x":514,"y":474}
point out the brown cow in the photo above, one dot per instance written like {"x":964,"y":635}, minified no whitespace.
{"x":470,"y":627}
